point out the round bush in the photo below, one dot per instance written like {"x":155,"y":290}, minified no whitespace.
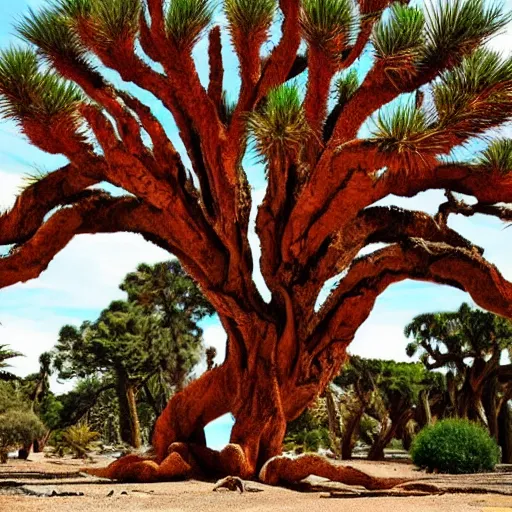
{"x":455,"y":446}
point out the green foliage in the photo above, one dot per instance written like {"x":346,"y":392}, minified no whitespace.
{"x":405,"y":131}
{"x":497,"y":157}
{"x":18,"y":428}
{"x":327,"y":24}
{"x":467,"y":332}
{"x":5,"y":354}
{"x":51,"y":31}
{"x":187,"y":19}
{"x":455,"y":446}
{"x":457,"y":27}
{"x":27,"y":92}
{"x":401,"y":34}
{"x":115,"y":20}
{"x":280,"y":127}
{"x":476,"y":95}
{"x":346,"y":85}
{"x":77,"y":439}
{"x":250,"y":15}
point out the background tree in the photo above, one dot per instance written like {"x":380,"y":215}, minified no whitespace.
{"x":6,"y":354}
{"x":470,"y":343}
{"x":325,"y":172}
{"x":388,"y":391}
{"x":150,"y":342}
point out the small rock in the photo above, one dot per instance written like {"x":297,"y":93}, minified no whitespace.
{"x":110,"y":494}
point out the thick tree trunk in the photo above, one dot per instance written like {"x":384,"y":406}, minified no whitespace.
{"x":348,"y":433}
{"x":128,"y":416}
{"x":505,"y":433}
{"x":262,"y":393}
{"x":334,"y":422}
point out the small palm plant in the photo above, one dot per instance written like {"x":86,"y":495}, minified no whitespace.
{"x":5,"y":354}
{"x":77,"y":439}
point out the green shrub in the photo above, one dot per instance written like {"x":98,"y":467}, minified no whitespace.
{"x":18,"y":428}
{"x":78,"y":439}
{"x":455,"y":446}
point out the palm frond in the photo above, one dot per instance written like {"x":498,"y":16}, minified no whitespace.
{"x":186,"y":20}
{"x":497,"y":157}
{"x":250,"y":15}
{"x":457,"y":27}
{"x":25,"y":91}
{"x":475,"y":95}
{"x":51,"y":31}
{"x":328,"y":24}
{"x":400,"y":34}
{"x":280,"y":126}
{"x":345,"y":86}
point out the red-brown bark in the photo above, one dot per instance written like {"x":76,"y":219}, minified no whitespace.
{"x":316,"y":217}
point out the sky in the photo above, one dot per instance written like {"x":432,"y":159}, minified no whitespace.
{"x":84,"y":278}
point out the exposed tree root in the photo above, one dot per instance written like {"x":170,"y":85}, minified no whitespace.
{"x":284,"y":470}
{"x":186,"y":461}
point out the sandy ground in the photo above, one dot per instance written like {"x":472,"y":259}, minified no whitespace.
{"x":197,"y":496}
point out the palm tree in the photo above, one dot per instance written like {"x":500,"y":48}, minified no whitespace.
{"x":5,"y":354}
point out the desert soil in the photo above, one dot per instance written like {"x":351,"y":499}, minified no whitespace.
{"x":42,"y":476}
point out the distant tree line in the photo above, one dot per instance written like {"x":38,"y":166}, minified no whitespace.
{"x":125,"y":364}
{"x":464,"y":372}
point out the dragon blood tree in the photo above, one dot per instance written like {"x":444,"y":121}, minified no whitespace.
{"x":325,"y":172}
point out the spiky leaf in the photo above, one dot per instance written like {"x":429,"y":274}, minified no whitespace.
{"x":476,"y":95}
{"x":187,"y":19}
{"x":346,"y":85}
{"x":400,"y":34}
{"x":456,"y":27}
{"x":50,"y":30}
{"x":497,"y":156}
{"x":280,"y":126}
{"x":406,"y":132}
{"x":250,"y":15}
{"x":27,"y":91}
{"x":327,"y":24}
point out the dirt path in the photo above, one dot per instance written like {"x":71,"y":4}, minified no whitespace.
{"x":18,"y":479}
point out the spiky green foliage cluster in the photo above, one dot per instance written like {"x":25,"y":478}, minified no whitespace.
{"x":280,"y":126}
{"x":51,"y":31}
{"x":400,"y":34}
{"x":404,"y":130}
{"x":346,"y":85}
{"x":456,"y":27}
{"x":26,"y":91}
{"x":250,"y":15}
{"x":327,"y":24}
{"x":476,"y":95}
{"x":187,"y":19}
{"x":111,"y":21}
{"x":497,"y":156}
{"x":115,"y":20}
